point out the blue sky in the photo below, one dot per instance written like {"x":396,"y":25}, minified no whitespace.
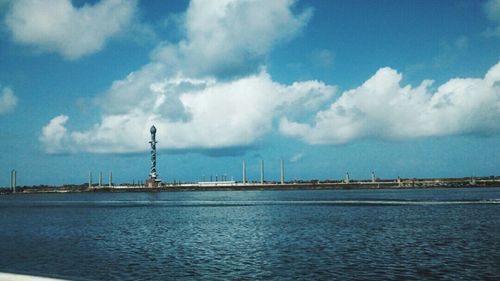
{"x":402,"y":88}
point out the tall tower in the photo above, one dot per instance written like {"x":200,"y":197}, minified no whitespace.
{"x":244,"y":176}
{"x":282,"y":171}
{"x":262,"y":171}
{"x":153,"y":176}
{"x":13,"y":179}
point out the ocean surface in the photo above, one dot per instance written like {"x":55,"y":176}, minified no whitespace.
{"x":431,"y":234}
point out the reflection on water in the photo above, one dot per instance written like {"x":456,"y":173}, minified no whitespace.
{"x":271,"y":235}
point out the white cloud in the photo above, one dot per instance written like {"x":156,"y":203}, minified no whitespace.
{"x":492,"y":9}
{"x":182,"y":93}
{"x":54,"y":135}
{"x":231,"y":38}
{"x":190,"y":113}
{"x":209,"y":91}
{"x":57,"y":26}
{"x":8,"y":100}
{"x":382,"y":108}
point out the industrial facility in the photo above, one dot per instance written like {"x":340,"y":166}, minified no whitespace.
{"x":154,"y":183}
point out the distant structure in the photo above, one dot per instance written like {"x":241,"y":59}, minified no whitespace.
{"x":373,"y":176}
{"x":110,"y":179}
{"x":262,"y":171}
{"x":472,"y":180}
{"x":282,"y":171}
{"x":244,"y":176}
{"x":13,"y":179}
{"x":90,"y":180}
{"x":347,"y":179}
{"x":153,"y":180}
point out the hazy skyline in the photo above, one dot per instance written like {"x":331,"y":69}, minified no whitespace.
{"x":402,"y":88}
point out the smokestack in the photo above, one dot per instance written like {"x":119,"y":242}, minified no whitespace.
{"x":282,"y":166}
{"x":244,"y":176}
{"x":13,"y":179}
{"x":110,"y":179}
{"x":90,"y":179}
{"x":262,"y":171}
{"x":347,"y":180}
{"x":373,"y":176}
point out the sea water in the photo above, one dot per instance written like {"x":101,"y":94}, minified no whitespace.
{"x":422,"y":234}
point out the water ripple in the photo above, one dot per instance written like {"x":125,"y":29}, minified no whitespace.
{"x":253,"y":236}
{"x":216,"y":203}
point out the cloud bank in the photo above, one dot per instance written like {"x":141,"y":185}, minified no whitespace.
{"x":382,"y":108}
{"x":211,"y":90}
{"x":190,"y":114}
{"x":205,"y":91}
{"x":57,"y":26}
{"x":8,"y":100}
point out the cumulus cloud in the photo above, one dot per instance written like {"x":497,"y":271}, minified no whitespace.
{"x":214,"y":114}
{"x":54,"y":135}
{"x":208,"y":90}
{"x":492,"y":9}
{"x":382,"y":108}
{"x":231,"y":38}
{"x":57,"y":26}
{"x":8,"y":100}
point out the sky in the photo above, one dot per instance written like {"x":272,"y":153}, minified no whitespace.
{"x":401,"y":88}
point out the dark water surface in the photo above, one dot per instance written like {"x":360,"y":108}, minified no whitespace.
{"x":436,"y":234}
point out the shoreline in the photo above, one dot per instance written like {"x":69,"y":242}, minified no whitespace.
{"x":218,"y":186}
